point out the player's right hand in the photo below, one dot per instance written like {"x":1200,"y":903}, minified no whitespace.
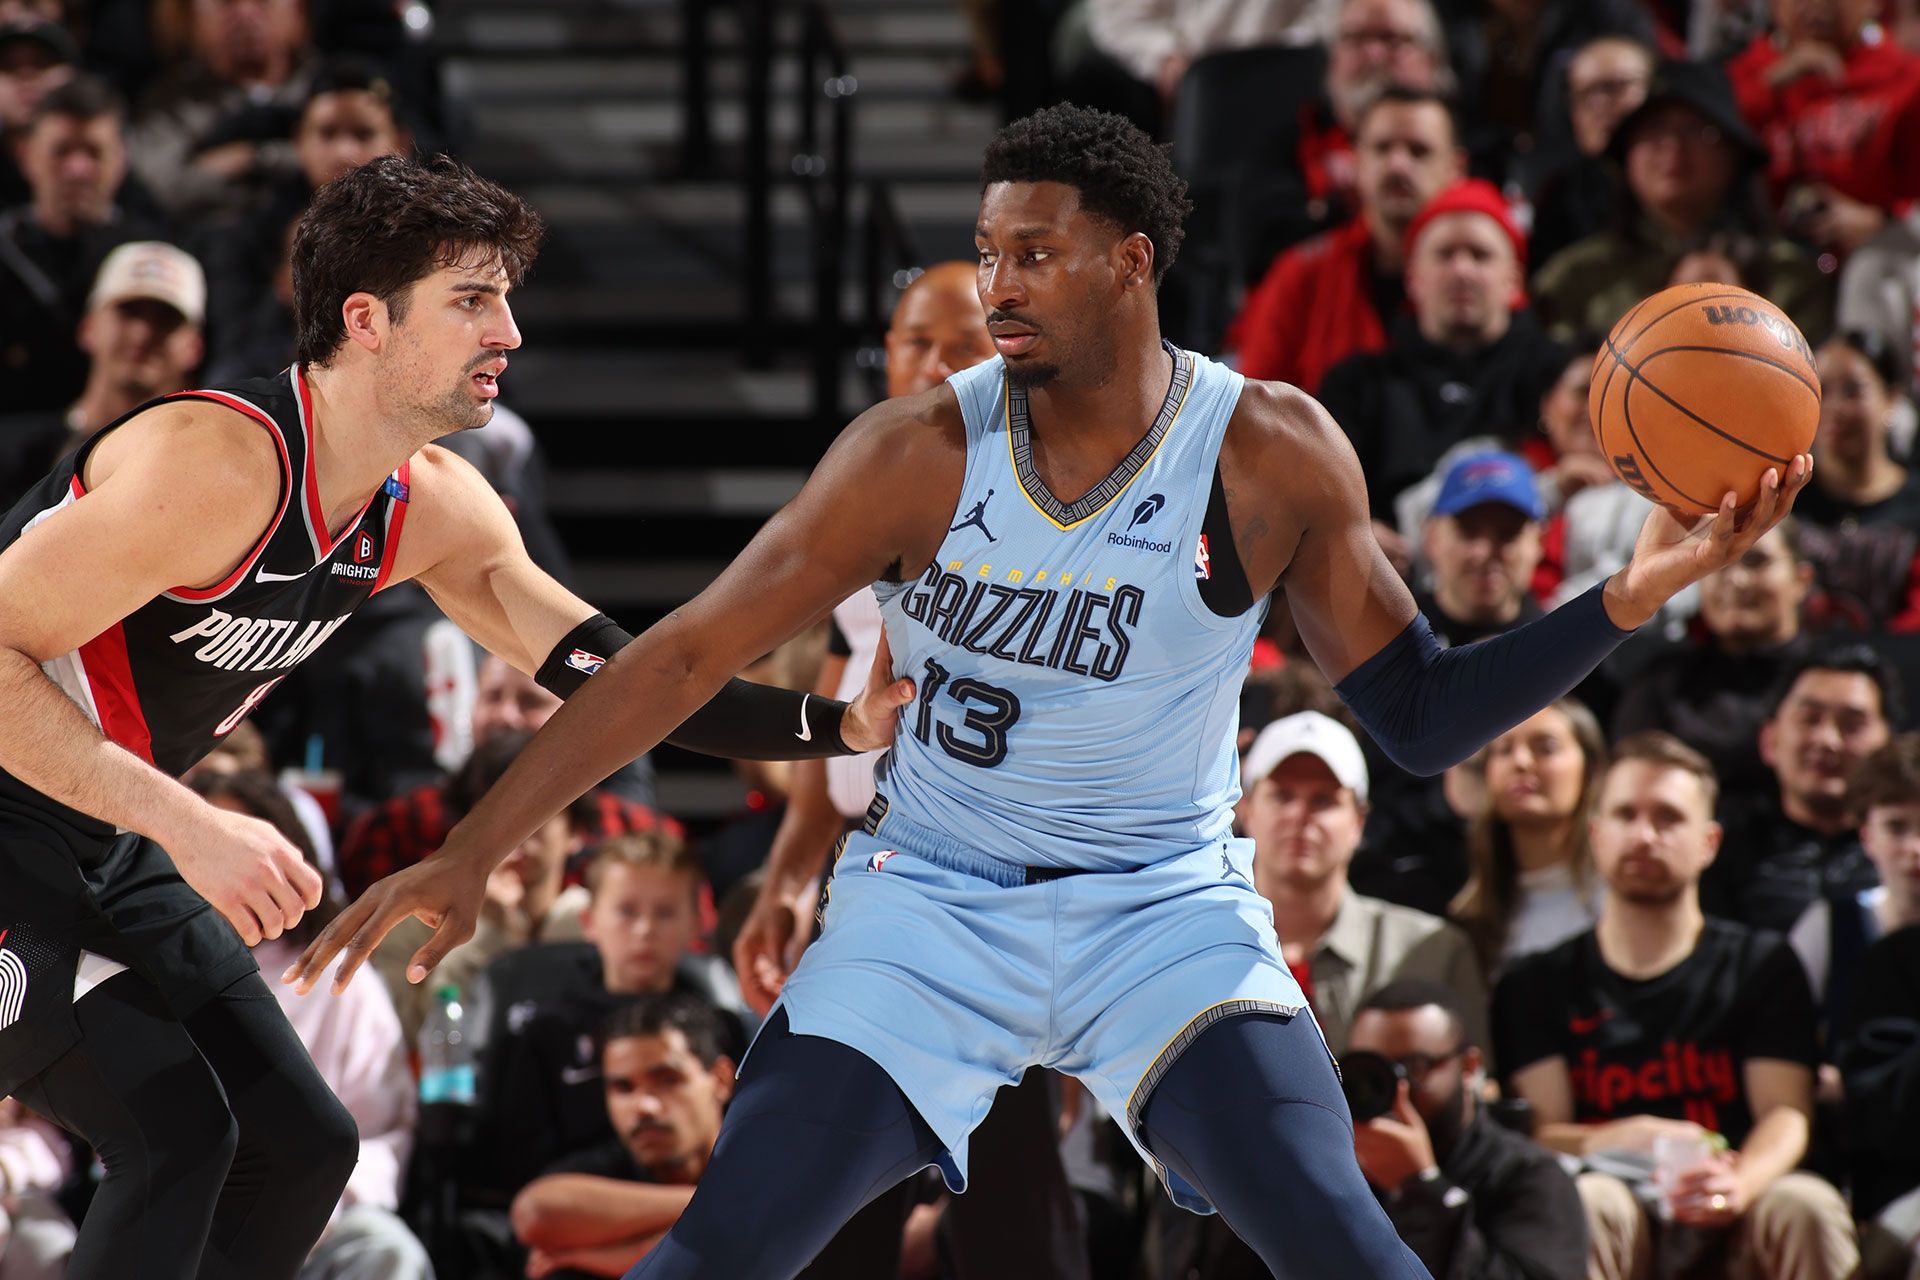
{"x":444,"y":890}
{"x":760,"y":950}
{"x":249,"y":873}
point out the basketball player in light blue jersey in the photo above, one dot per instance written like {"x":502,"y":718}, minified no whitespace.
{"x":1071,"y":544}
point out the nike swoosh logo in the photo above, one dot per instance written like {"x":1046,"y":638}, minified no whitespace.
{"x":578,"y":1075}
{"x":806,"y":733}
{"x":261,"y":575}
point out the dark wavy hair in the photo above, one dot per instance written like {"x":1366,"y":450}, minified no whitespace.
{"x":1124,"y":178}
{"x":387,"y":225}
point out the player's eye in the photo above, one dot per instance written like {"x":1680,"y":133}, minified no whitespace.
{"x":1039,"y":255}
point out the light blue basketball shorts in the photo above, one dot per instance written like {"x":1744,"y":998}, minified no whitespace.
{"x":945,"y":967}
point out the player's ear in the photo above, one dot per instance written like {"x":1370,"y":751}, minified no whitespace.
{"x":1136,"y":261}
{"x":365,"y":317}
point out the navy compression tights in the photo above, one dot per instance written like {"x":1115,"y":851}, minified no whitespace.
{"x":1251,"y":1115}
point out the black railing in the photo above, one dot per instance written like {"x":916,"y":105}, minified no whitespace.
{"x":824,"y":165}
{"x":889,"y":261}
{"x":821,"y":166}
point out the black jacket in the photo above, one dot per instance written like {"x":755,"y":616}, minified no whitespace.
{"x":1880,"y":1059}
{"x":1501,"y":1209}
{"x":1405,"y":406}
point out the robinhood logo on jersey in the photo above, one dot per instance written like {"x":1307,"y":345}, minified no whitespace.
{"x":1137,"y":543}
{"x":1149,"y":507}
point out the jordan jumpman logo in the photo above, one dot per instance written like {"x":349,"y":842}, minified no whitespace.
{"x":978,"y":518}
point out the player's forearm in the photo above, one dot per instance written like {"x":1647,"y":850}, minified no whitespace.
{"x":807,"y":830}
{"x":1430,"y":708}
{"x":623,"y":712}
{"x":565,"y":1211}
{"x":1774,"y":1147}
{"x":48,"y":743}
{"x":744,"y":721}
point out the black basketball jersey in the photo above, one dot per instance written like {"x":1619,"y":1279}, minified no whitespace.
{"x":175,"y":676}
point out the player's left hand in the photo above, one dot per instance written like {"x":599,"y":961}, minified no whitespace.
{"x":872,"y":717}
{"x":1394,"y":1147}
{"x":1674,"y":552}
{"x":444,"y":890}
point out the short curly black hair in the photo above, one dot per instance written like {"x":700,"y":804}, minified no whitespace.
{"x":1123,"y":177}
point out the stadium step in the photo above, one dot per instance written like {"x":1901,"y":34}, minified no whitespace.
{"x":665,"y":451}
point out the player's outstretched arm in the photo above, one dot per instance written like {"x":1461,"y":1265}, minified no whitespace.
{"x":875,"y":507}
{"x":1299,"y":508}
{"x":461,"y":544}
{"x":178,"y":497}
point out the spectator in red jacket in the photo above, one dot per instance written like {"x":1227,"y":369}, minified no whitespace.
{"x":1837,"y":104}
{"x":1331,"y":297}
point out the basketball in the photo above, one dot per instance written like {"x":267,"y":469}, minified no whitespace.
{"x":1698,"y":390}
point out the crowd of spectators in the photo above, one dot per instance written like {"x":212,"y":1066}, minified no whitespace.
{"x":1633,"y":993}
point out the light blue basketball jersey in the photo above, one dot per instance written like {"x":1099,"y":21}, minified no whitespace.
{"x":1078,"y":701}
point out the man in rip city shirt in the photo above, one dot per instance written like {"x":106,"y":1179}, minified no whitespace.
{"x":1661,"y":1027}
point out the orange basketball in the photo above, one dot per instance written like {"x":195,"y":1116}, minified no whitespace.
{"x":1699,"y":390}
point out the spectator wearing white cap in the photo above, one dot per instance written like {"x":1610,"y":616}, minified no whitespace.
{"x":142,"y":332}
{"x":1305,"y":782}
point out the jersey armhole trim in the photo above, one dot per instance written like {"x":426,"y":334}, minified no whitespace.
{"x":396,"y":517}
{"x":247,"y":409}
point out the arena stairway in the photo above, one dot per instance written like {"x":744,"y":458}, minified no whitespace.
{"x":665,"y":449}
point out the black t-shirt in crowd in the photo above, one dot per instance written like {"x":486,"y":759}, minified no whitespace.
{"x":1770,"y":868}
{"x":540,"y":1010}
{"x":1675,"y":1045}
{"x":1713,"y":701}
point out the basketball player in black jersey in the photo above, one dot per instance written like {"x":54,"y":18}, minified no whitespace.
{"x":152,"y":590}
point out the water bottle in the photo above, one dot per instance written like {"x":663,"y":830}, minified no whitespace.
{"x":446,"y":1052}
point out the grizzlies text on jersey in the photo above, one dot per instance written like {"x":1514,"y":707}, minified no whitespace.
{"x":1077,"y":699}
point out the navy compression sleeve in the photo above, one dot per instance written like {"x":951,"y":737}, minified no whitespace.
{"x":1430,"y":707}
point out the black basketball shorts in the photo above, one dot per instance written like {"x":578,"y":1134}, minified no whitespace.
{"x":77,"y":903}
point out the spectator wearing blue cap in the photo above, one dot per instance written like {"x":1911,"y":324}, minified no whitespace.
{"x":1482,"y":543}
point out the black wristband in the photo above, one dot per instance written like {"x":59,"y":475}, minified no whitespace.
{"x":580,"y":653}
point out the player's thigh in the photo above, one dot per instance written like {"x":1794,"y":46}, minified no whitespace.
{"x":1156,"y":957}
{"x":941,"y":978}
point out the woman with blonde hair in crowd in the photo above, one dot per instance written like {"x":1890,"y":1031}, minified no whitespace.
{"x":1532,"y":883}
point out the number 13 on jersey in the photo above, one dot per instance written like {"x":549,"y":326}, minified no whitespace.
{"x":990,"y":713}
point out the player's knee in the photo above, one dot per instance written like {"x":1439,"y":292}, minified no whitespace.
{"x":332,"y":1142}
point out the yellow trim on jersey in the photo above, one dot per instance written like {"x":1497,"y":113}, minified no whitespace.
{"x":1006,"y":412}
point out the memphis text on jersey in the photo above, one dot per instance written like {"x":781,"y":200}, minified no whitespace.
{"x":1075,"y":623}
{"x":254,"y":644}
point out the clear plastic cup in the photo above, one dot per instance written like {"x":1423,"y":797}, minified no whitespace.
{"x":1673,"y":1155}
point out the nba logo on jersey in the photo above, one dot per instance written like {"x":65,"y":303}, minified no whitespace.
{"x":13,"y":985}
{"x":1202,"y":562}
{"x":879,"y":859}
{"x":581,"y":660}
{"x":363,"y":548}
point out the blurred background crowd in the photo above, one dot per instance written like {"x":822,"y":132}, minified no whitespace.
{"x":1634,"y":993}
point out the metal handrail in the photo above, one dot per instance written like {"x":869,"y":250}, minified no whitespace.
{"x":824,"y":96}
{"x":889,"y":262}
